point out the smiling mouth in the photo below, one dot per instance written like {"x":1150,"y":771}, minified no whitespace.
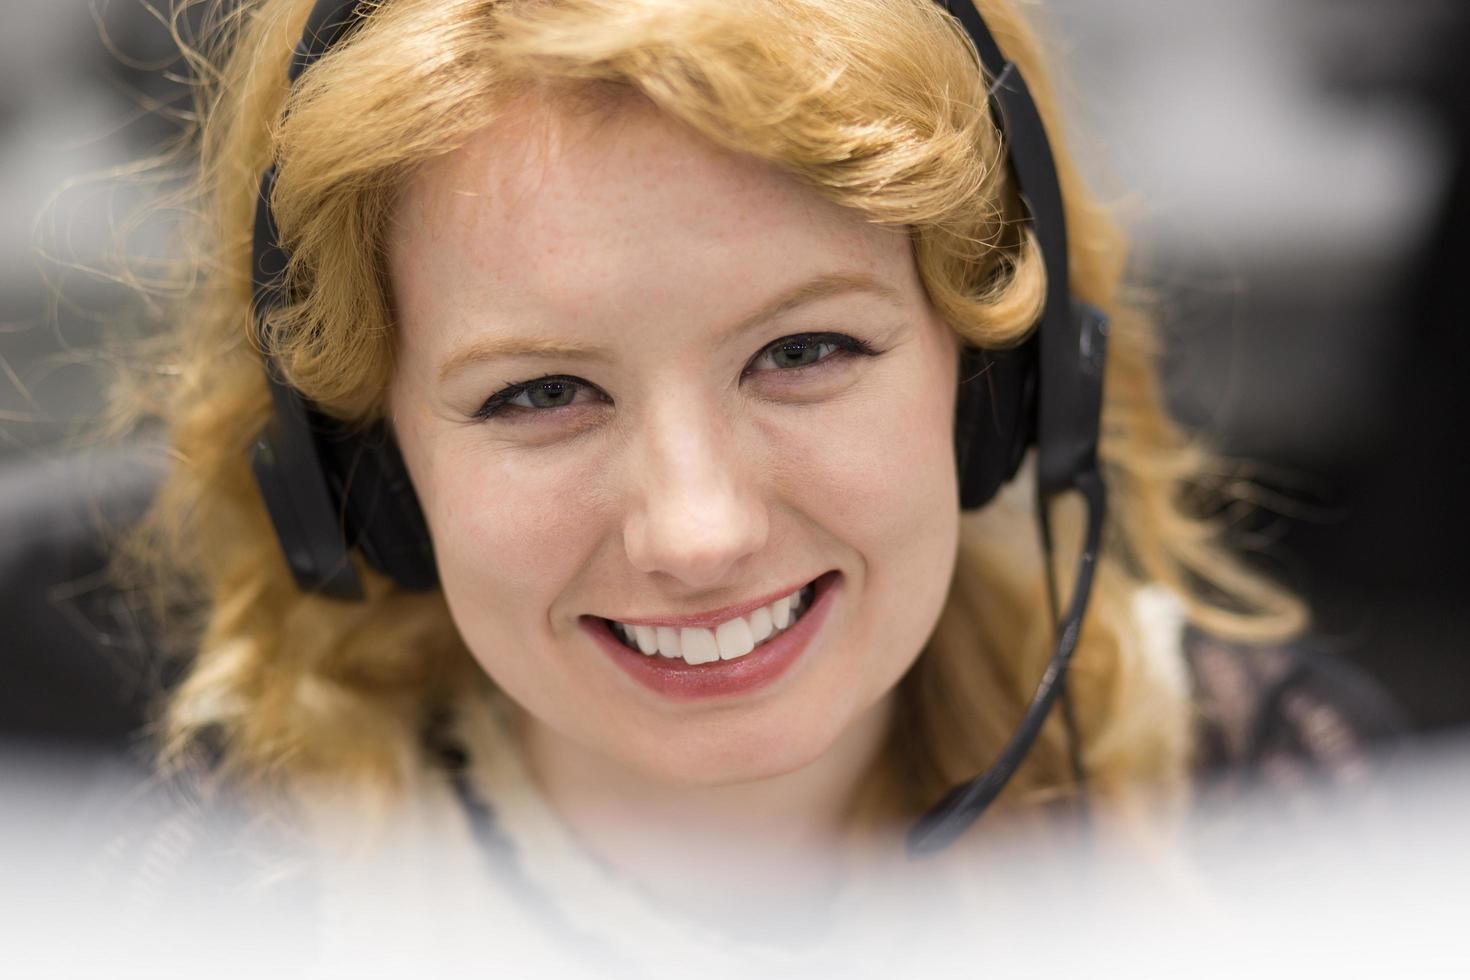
{"x":730,"y":640}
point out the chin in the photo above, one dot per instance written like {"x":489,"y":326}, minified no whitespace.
{"x":724,"y":755}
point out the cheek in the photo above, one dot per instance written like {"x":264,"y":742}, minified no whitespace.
{"x":880,"y":472}
{"x":881,"y":479}
{"x":504,"y":557}
{"x":911,"y":524}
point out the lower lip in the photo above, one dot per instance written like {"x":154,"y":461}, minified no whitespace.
{"x":676,"y":679}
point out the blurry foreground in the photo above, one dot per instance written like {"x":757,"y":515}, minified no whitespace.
{"x":1369,"y":882}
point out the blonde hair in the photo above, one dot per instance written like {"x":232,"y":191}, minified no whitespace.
{"x":875,"y":104}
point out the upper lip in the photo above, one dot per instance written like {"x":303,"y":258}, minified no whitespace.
{"x":713,"y":617}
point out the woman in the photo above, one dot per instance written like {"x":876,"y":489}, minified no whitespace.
{"x":663,"y":302}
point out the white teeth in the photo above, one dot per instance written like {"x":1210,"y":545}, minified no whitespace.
{"x":668,"y":643}
{"x":734,"y":639}
{"x":647,"y":639}
{"x":728,"y":641}
{"x":760,"y":624}
{"x":698,"y":645}
{"x":781,"y":612}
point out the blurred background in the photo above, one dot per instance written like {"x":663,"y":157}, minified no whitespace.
{"x":1297,"y":177}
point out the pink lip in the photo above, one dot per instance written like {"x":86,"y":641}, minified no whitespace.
{"x":681,"y":681}
{"x":714,"y":617}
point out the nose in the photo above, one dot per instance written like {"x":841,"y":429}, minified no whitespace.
{"x":695,"y":508}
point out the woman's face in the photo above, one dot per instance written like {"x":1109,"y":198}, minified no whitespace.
{"x":751,"y":392}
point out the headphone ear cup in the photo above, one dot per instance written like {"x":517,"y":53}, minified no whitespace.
{"x":995,"y":418}
{"x":299,"y":502}
{"x":383,"y":516}
{"x":297,"y":491}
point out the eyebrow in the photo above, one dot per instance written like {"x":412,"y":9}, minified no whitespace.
{"x":818,"y":287}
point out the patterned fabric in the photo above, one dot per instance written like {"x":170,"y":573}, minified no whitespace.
{"x":1281,"y":715}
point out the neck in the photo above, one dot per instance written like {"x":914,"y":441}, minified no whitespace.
{"x":707,"y":847}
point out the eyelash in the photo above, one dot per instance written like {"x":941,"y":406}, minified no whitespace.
{"x":844,"y":346}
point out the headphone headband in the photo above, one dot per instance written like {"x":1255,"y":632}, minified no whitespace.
{"x":1071,"y":350}
{"x":328,"y":23}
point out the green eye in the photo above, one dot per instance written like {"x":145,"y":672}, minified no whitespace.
{"x":808,"y":350}
{"x":551,"y":394}
{"x":799,"y":353}
{"x":541,"y":395}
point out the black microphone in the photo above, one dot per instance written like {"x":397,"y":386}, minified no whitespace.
{"x":962,"y":806}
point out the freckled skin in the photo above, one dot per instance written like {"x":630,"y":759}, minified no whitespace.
{"x":675,"y":484}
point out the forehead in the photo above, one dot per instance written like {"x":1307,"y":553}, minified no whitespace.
{"x":570,"y":214}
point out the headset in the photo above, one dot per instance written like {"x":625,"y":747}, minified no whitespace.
{"x":330,"y":487}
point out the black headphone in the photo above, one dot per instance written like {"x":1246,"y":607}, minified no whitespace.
{"x":330,"y":488}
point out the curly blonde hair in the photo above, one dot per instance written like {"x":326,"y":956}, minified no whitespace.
{"x":875,"y":104}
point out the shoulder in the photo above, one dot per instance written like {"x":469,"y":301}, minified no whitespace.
{"x":1283,"y":714}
